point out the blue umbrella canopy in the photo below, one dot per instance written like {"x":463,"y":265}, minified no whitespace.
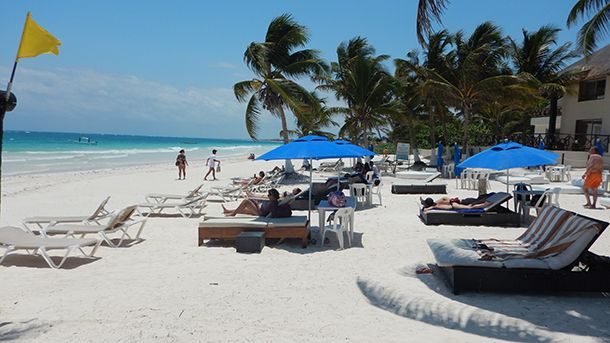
{"x":439,"y":158}
{"x":356,"y":149}
{"x":457,"y":155}
{"x":316,"y":148}
{"x":510,"y":155}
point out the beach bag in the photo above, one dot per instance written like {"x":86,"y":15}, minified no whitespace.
{"x":177,"y":162}
{"x":337,"y":199}
{"x":218,"y":168}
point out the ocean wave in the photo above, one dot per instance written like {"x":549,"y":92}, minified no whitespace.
{"x":108,"y":157}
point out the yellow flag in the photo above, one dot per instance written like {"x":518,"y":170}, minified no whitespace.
{"x":35,"y":40}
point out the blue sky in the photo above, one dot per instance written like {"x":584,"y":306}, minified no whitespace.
{"x":166,"y":68}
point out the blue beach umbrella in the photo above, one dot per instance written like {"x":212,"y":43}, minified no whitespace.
{"x":457,"y":155}
{"x":509,"y":155}
{"x":439,"y":159}
{"x":314,"y":147}
{"x":599,"y":147}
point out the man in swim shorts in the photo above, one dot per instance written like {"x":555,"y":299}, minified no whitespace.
{"x":593,"y":177}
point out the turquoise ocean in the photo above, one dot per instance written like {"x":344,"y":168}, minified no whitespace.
{"x":27,"y":152}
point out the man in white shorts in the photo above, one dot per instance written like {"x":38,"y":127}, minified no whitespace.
{"x":211,"y":163}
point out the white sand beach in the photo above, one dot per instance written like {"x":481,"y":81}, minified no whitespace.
{"x":168,"y":289}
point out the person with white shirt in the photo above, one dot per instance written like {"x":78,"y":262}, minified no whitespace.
{"x":211,"y":163}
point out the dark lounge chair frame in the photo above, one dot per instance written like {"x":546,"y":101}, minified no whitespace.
{"x":496,"y":216}
{"x":425,"y":187}
{"x":428,"y":188}
{"x":529,"y":280}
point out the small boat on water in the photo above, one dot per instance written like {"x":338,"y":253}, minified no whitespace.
{"x":85,"y":140}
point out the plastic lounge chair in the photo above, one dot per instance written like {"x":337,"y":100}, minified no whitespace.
{"x":187,"y":208}
{"x":425,"y":187}
{"x":227,"y":228}
{"x":120,"y":222}
{"x":14,"y":238}
{"x":99,"y":213}
{"x":492,"y":215}
{"x":551,"y":255}
{"x":230,"y":192}
{"x":161,"y":198}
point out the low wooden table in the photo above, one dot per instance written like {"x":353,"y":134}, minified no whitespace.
{"x":230,"y":232}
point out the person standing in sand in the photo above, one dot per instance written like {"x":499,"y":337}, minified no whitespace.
{"x":593,"y":177}
{"x":181,"y":163}
{"x":211,"y":163}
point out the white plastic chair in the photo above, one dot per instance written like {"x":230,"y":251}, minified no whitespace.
{"x":550,"y":197}
{"x":566,"y":172}
{"x":342,"y":223}
{"x":358,"y":191}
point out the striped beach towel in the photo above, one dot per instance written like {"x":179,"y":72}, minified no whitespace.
{"x":550,"y":234}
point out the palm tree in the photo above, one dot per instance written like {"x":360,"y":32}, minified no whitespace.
{"x":590,"y":32}
{"x":427,"y":11}
{"x":276,"y":65}
{"x":360,"y":79}
{"x":535,"y":58}
{"x":314,"y":119}
{"x":473,"y":74}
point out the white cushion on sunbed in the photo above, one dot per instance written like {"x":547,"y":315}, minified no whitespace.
{"x":604,"y":202}
{"x":415,"y":175}
{"x":458,"y":252}
{"x":255,"y":222}
{"x":248,"y":222}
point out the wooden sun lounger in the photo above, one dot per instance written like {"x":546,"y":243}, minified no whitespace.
{"x":227,"y":228}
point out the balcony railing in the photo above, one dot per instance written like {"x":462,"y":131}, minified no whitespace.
{"x":559,"y":142}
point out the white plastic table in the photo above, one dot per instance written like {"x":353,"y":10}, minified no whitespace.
{"x":325,"y":206}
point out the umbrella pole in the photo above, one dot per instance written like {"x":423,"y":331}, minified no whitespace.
{"x":310,"y":190}
{"x":507,"y":179}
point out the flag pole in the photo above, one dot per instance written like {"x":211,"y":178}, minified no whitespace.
{"x":4,"y":104}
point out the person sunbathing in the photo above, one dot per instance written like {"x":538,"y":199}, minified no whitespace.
{"x":256,"y":179}
{"x":447,"y":203}
{"x":271,"y":208}
{"x":263,"y":196}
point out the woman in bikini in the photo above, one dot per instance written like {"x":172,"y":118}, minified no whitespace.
{"x":272,"y":208}
{"x":447,"y":203}
{"x":181,"y":163}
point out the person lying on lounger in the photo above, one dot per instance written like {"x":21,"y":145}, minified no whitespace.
{"x":271,"y":209}
{"x":447,"y":203}
{"x":256,"y":179}
{"x":263,"y":196}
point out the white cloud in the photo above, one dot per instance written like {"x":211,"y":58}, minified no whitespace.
{"x":86,"y":97}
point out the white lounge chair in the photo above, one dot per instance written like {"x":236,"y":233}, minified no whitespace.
{"x":97,"y":215}
{"x":14,"y":238}
{"x":161,"y":198}
{"x":187,"y":208}
{"x":120,"y":222}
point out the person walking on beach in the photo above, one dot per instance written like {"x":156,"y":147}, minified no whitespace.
{"x":593,"y":177}
{"x":211,"y":163}
{"x":181,"y":163}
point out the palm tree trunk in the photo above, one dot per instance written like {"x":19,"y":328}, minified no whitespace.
{"x":287,"y":163}
{"x":552,"y":121}
{"x":431,"y":118}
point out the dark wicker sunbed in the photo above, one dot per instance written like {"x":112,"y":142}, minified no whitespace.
{"x":492,"y":215}
{"x":570,"y":270}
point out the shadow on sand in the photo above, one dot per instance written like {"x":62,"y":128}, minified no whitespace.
{"x":12,"y":331}
{"x":498,"y":316}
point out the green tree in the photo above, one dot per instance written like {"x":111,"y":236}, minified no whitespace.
{"x":597,"y":26}
{"x":473,"y":73}
{"x":277,"y":66}
{"x":360,"y":80}
{"x":535,"y":58}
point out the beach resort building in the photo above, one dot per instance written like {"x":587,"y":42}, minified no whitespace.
{"x":585,"y":109}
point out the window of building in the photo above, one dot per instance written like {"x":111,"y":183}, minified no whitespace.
{"x":592,"y":90}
